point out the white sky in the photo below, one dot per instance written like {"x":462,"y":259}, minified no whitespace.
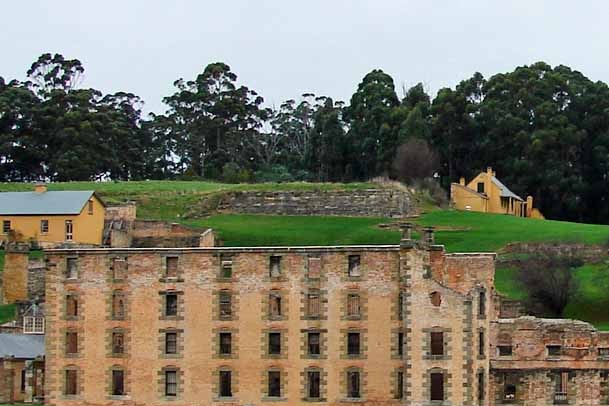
{"x":282,"y":49}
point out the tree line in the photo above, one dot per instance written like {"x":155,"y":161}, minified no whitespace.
{"x":544,"y":129}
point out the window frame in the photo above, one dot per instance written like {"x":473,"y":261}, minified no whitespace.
{"x":6,"y":226}
{"x":225,"y":383}
{"x":113,"y":389}
{"x":44,"y":226}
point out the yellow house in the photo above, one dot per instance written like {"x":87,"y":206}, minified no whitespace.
{"x":52,"y":218}
{"x":485,"y":193}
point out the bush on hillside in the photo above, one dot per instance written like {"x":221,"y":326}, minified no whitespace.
{"x":233,"y":173}
{"x":415,"y":160}
{"x":274,"y":173}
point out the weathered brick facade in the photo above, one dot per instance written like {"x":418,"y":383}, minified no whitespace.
{"x":401,"y":324}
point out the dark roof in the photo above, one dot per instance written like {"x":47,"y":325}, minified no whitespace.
{"x":28,"y":346}
{"x":505,"y":192}
{"x":43,"y":203}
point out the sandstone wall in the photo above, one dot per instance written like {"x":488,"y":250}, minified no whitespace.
{"x":15,"y":274}
{"x":369,"y":202}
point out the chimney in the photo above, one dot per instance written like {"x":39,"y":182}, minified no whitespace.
{"x":406,"y":239}
{"x":489,"y":171}
{"x":40,"y":187}
{"x":428,"y":237}
{"x":462,"y":181}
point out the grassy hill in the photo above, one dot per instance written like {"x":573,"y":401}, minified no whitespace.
{"x":458,"y":231}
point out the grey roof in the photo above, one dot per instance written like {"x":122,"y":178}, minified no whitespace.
{"x":27,"y":346}
{"x":44,"y":203}
{"x":505,"y":192}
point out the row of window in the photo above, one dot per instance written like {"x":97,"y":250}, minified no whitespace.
{"x":552,"y":351}
{"x":44,"y":228}
{"x":171,"y":269}
{"x":314,"y":384}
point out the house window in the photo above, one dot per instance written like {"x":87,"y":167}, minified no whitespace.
{"x":171,"y":304}
{"x":314,"y":267}
{"x":481,"y":343}
{"x":90,"y":206}
{"x":6,"y":226}
{"x":480,"y":187}
{"x":226,"y":310}
{"x":313,"y":384}
{"x":225,"y":343}
{"x":354,"y":270}
{"x":69,"y":230}
{"x":274,"y":384}
{"x":509,"y":392}
{"x":118,"y":383}
{"x":553,"y":350}
{"x":171,"y":383}
{"x":436,"y":299}
{"x":353,"y":384}
{"x":400,"y":344}
{"x":275,"y":266}
{"x":171,"y":342}
{"x":437,"y":386}
{"x":118,"y":343}
{"x":171,"y":267}
{"x":504,"y":350}
{"x":482,"y":304}
{"x":437,"y":343}
{"x":226,"y":270}
{"x":274,"y":343}
{"x":313,"y":343}
{"x":71,"y":382}
{"x":353,"y":344}
{"x":399,"y":393}
{"x":226,"y":389}
{"x":353,"y":307}
{"x":119,"y":268}
{"x":44,"y":226}
{"x":118,"y":306}
{"x":33,"y":325}
{"x":274,"y":305}
{"x":313,"y":305}
{"x":72,"y":268}
{"x":71,"y":342}
{"x":71,"y":306}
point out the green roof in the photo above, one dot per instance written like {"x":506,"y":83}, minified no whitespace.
{"x":43,"y":203}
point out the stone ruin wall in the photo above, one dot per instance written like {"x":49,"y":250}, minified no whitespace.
{"x":365,"y":203}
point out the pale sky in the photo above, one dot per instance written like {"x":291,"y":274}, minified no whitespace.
{"x":285,"y":48}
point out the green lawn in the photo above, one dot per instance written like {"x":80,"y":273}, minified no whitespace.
{"x":7,"y":313}
{"x":259,"y":230}
{"x":467,"y":231}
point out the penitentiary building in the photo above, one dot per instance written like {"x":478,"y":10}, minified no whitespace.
{"x":404,"y":324}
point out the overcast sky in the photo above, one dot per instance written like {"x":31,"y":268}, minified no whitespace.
{"x":284,"y":48}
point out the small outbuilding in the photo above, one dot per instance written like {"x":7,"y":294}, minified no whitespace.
{"x":21,"y":368}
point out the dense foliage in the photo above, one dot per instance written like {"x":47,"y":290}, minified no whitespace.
{"x":545,"y":130}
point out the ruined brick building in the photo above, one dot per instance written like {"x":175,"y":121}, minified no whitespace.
{"x":403,"y":324}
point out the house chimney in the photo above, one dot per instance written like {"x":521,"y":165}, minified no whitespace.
{"x":406,"y":238}
{"x":428,"y":236}
{"x":462,"y":181}
{"x":489,"y":171}
{"x":40,"y":187}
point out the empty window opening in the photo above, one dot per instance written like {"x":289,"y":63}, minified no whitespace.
{"x":72,"y":268}
{"x":313,"y":384}
{"x":274,"y":389}
{"x":482,"y":304}
{"x":436,"y":298}
{"x":353,"y":384}
{"x":481,"y":344}
{"x":354,"y":266}
{"x":118,"y":383}
{"x":226,"y":389}
{"x":119,"y":268}
{"x":118,"y":305}
{"x":437,"y":386}
{"x":504,"y":350}
{"x":481,"y":388}
{"x":275,"y":266}
{"x":171,"y":304}
{"x":400,"y":344}
{"x":227,"y":269}
{"x":313,"y":339}
{"x":275,"y":304}
{"x":226,"y":340}
{"x":554,"y":350}
{"x":274,"y":343}
{"x":437,"y":343}
{"x":71,"y":306}
{"x":399,"y":393}
{"x":313,"y":305}
{"x":314,"y":267}
{"x":353,"y":343}
{"x":118,"y":343}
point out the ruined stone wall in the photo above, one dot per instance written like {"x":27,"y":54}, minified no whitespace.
{"x":388,"y":273}
{"x":589,"y":253}
{"x":14,"y":276}
{"x":369,"y":202}
{"x":35,"y":279}
{"x":161,"y":234}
